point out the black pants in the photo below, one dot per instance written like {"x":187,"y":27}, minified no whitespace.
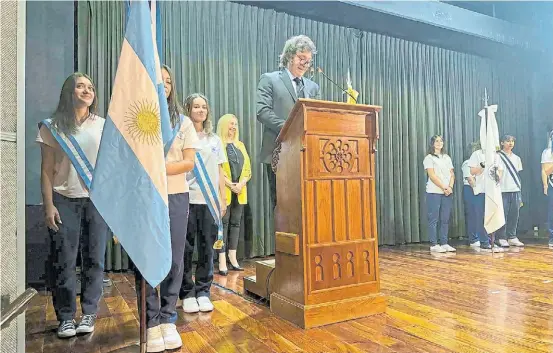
{"x":203,"y":230}
{"x":77,"y":214}
{"x":231,"y":225}
{"x":160,"y":308}
{"x":272,"y":185}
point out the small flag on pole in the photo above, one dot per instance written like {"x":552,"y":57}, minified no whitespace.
{"x":129,"y":187}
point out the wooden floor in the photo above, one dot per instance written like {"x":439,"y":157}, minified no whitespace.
{"x":464,"y":302}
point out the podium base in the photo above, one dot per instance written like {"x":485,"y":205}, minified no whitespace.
{"x":309,"y":316}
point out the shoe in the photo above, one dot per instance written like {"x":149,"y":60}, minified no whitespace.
{"x":87,"y":324}
{"x":154,"y":340}
{"x":171,"y":336}
{"x":437,"y":248}
{"x":205,"y":304}
{"x":550,"y":245}
{"x":515,"y":242}
{"x":448,"y":248}
{"x":503,"y":243}
{"x":66,"y":329}
{"x":476,"y":244}
{"x":236,"y":268}
{"x":223,"y":273}
{"x":190,"y":306}
{"x":497,"y":248}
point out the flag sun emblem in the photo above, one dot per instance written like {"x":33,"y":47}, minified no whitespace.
{"x":143,"y":122}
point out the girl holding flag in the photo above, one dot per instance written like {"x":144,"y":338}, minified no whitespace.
{"x":69,"y":143}
{"x":547,"y":181}
{"x":180,"y":155}
{"x":207,"y":207}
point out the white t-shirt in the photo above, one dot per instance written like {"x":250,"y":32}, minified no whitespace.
{"x":442,"y":166}
{"x":212,"y":151}
{"x":186,"y":138}
{"x":466,"y":172}
{"x":475,"y":159}
{"x":547,"y":157}
{"x":67,"y":181}
{"x":507,"y":182}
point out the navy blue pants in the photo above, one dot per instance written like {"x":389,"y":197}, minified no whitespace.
{"x":439,"y":209}
{"x":82,"y":223}
{"x":480,"y":203}
{"x":160,"y":308}
{"x":201,"y":228}
{"x":469,"y":200}
{"x":550,"y":213}
{"x":511,"y":208}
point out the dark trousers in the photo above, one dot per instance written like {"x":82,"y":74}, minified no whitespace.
{"x":77,"y":214}
{"x":203,"y":230}
{"x":470,"y":214}
{"x":231,"y":225}
{"x":272,"y":185}
{"x":439,"y":210}
{"x":511,"y":208}
{"x":159,"y":308}
{"x":479,"y":208}
{"x":550,"y":213}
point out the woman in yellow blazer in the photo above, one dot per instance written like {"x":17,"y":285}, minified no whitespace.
{"x":238,"y":172}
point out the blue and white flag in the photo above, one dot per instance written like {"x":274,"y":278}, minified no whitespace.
{"x":129,"y":187}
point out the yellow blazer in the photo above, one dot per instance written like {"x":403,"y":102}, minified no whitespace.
{"x":245,"y":175}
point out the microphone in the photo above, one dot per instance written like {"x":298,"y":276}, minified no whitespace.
{"x":335,"y":84}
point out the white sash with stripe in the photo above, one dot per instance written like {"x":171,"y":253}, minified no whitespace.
{"x":74,"y":151}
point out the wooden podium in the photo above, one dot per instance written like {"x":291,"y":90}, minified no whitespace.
{"x":326,"y":263}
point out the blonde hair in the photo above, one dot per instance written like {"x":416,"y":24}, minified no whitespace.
{"x":207,"y":125}
{"x":222,"y":127}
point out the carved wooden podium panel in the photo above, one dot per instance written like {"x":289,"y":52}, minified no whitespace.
{"x":326,"y":263}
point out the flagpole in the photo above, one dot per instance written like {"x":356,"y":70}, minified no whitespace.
{"x":143,"y":315}
{"x":491,"y":236}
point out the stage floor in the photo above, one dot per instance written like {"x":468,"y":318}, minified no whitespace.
{"x":464,"y":302}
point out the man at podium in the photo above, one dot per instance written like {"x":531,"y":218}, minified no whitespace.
{"x":277,"y":93}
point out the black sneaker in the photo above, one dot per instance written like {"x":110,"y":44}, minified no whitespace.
{"x":66,"y":329}
{"x":87,"y":324}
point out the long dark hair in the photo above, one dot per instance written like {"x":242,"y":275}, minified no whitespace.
{"x":431,"y":149}
{"x":64,"y":118}
{"x":207,"y":124}
{"x":175,"y":109}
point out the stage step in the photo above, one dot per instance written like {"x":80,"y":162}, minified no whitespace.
{"x":257,"y":284}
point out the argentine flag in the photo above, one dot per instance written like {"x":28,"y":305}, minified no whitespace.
{"x":129,"y":186}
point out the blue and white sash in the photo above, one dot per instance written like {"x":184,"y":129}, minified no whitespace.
{"x":511,"y":168}
{"x":210,"y":196}
{"x":74,"y":151}
{"x":176,"y":130}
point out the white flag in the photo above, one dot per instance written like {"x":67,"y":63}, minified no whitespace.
{"x":494,"y":218}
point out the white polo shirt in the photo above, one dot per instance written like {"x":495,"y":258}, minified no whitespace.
{"x":442,"y":166}
{"x":475,"y":159}
{"x":547,"y":157}
{"x":507,"y":182}
{"x":212,"y":151}
{"x":67,"y":181}
{"x":466,"y":172}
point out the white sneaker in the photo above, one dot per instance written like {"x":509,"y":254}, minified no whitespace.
{"x":171,"y":336}
{"x":154,"y":341}
{"x":503,"y":243}
{"x":476,"y":244}
{"x":497,"y":248}
{"x":437,"y":248}
{"x":550,"y":245}
{"x":515,"y":242}
{"x":190,"y":306}
{"x":205,"y":304}
{"x":449,"y":248}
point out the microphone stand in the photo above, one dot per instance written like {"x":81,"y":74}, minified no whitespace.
{"x":335,"y":84}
